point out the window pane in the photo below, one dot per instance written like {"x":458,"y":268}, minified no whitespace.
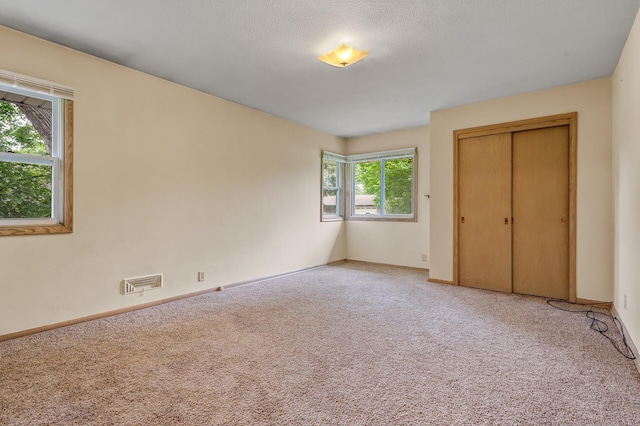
{"x":367,"y":188}
{"x":25,"y":128}
{"x":25,"y":190}
{"x":329,"y":174}
{"x":329,"y":199}
{"x":398,"y":186}
{"x":25,"y":125}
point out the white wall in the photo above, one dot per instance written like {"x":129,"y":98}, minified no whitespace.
{"x":397,"y":243}
{"x":626,"y":180}
{"x":592,"y":101}
{"x":167,"y":179}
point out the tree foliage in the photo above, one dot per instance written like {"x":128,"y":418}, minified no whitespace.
{"x":25,"y":189}
{"x":329,"y":174}
{"x":398,"y":184}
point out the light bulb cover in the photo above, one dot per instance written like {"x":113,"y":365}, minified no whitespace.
{"x":343,"y":56}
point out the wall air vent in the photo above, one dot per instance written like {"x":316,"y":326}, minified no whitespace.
{"x":141,"y":284}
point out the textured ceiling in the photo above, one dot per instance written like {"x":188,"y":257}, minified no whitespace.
{"x":424,"y":54}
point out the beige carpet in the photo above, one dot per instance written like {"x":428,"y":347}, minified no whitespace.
{"x":350,"y":344}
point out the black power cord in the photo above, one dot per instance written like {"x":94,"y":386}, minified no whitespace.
{"x":597,"y":324}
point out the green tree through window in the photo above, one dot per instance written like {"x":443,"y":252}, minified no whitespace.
{"x":25,"y":189}
{"x":398,"y":184}
{"x":375,"y":186}
{"x":398,"y":188}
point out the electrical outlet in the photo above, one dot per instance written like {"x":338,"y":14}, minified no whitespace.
{"x":424,"y":257}
{"x":200,"y":276}
{"x":625,"y":301}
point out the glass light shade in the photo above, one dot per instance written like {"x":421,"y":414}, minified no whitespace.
{"x":343,"y":56}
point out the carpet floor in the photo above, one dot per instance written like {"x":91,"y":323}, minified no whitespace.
{"x":349,"y":344}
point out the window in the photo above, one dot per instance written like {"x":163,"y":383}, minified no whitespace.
{"x":35,"y":156}
{"x":381,"y":185}
{"x":332,"y":184}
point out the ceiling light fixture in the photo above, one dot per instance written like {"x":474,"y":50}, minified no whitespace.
{"x":343,"y":56}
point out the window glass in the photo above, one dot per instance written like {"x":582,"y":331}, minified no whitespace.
{"x":329,"y":202}
{"x":367,"y":198}
{"x":398,"y":186}
{"x":382,"y":185}
{"x":25,"y":187}
{"x":331,"y":189}
{"x":379,"y":185}
{"x":25,"y":190}
{"x":329,"y":173}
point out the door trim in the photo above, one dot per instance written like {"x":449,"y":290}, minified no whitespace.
{"x":569,"y":119}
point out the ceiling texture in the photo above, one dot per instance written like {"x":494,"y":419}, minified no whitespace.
{"x":424,"y":54}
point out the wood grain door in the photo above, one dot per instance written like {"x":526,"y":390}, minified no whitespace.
{"x":484,"y":200}
{"x":541,"y":212}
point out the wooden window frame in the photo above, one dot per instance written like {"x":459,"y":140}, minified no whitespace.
{"x":66,"y":224}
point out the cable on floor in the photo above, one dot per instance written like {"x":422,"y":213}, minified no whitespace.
{"x":597,"y":324}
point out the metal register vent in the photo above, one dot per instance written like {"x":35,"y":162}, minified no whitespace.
{"x":141,"y":284}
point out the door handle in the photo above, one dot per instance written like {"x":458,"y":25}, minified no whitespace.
{"x":506,"y":220}
{"x":462,"y":219}
{"x":562,"y":221}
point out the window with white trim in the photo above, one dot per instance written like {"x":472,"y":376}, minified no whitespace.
{"x":380,"y":185}
{"x":332,"y":186}
{"x":35,"y":156}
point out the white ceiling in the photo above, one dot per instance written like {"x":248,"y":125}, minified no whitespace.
{"x":424,"y":54}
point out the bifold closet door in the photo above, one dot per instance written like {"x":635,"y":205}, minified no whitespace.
{"x":484,"y":207}
{"x":541,"y":212}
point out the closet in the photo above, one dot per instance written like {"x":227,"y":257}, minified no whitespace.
{"x":514,"y":205}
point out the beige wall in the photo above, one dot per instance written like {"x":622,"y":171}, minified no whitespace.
{"x":592,"y":101}
{"x":398,"y":243}
{"x":626,"y":180}
{"x":167,"y":180}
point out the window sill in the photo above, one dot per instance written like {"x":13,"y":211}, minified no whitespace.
{"x":35,"y":230}
{"x":332,"y":219}
{"x":383,"y":219}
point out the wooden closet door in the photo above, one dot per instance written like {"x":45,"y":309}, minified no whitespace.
{"x":541,"y":212}
{"x":484,"y":201}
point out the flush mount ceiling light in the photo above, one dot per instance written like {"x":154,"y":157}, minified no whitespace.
{"x":343,"y":56}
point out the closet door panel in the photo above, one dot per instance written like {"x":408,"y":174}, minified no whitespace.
{"x":541,"y":212}
{"x":484,"y":200}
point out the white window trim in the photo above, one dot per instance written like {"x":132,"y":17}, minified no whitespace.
{"x":340,"y":160}
{"x":17,"y":81}
{"x":382,"y":156}
{"x":347,"y":185}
